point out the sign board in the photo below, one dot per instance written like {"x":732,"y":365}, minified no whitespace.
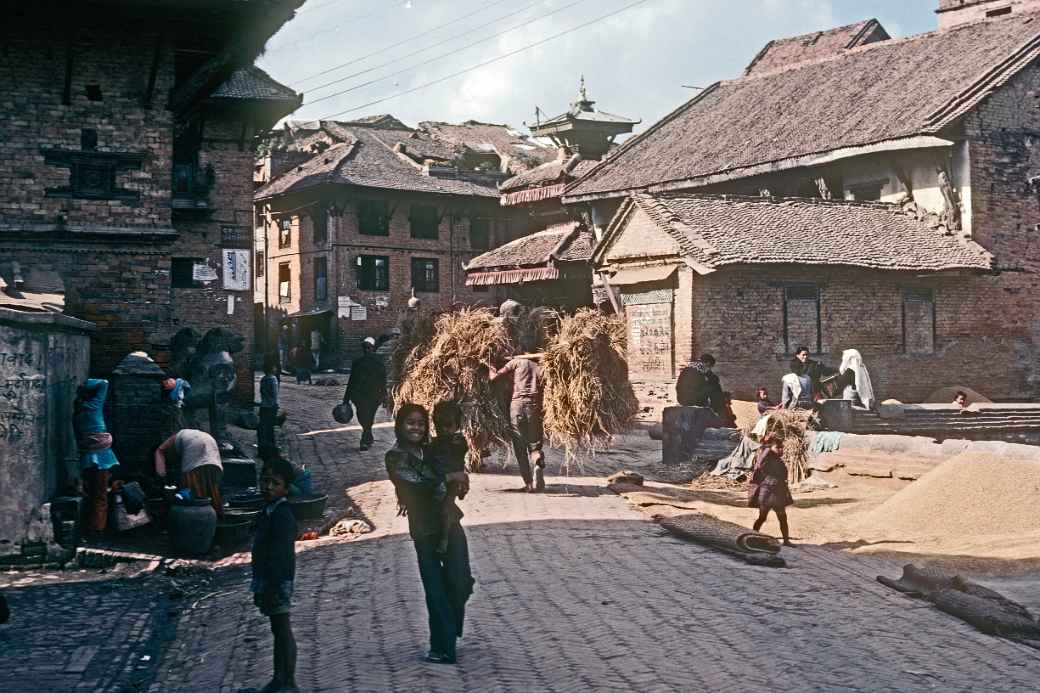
{"x":650,"y":340}
{"x":236,"y":270}
{"x":358,"y":313}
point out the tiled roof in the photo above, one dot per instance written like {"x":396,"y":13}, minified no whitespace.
{"x":252,"y":83}
{"x":546,"y":174}
{"x":716,"y":231}
{"x":369,"y":161}
{"x":785,"y":52}
{"x":876,"y":93}
{"x":567,"y":239}
{"x":523,"y":152}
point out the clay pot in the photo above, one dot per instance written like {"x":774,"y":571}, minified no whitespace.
{"x":191,"y":525}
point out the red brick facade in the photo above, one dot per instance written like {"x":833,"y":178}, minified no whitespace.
{"x":94,"y":97}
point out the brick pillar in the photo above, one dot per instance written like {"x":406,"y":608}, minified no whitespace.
{"x":135,"y":409}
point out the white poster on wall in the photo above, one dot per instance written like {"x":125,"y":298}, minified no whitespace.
{"x":236,"y":270}
{"x":358,"y":313}
{"x":202,"y":272}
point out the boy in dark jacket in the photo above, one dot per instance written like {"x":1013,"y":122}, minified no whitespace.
{"x":274,"y":569}
{"x":448,"y":452}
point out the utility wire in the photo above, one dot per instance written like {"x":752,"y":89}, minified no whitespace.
{"x":402,"y":42}
{"x":441,"y":43}
{"x":345,"y":21}
{"x":489,"y":62}
{"x":436,"y":57}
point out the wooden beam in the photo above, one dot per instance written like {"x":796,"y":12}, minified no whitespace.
{"x":160,"y":41}
{"x":70,"y":45}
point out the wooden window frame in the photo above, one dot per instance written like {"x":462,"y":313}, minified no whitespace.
{"x":419,"y":270}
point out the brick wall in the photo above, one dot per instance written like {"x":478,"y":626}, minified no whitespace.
{"x":32,"y":80}
{"x":115,"y":267}
{"x":739,"y":317}
{"x":345,"y":243}
{"x":956,"y":12}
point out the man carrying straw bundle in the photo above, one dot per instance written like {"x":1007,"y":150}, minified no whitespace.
{"x":525,"y":417}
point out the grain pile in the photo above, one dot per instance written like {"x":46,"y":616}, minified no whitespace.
{"x":452,"y":365}
{"x":588,"y":397}
{"x":971,"y":494}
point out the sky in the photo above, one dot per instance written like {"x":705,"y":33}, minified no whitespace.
{"x":635,"y":60}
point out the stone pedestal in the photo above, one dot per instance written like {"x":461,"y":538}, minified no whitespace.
{"x":135,"y":418}
{"x":681,"y":430}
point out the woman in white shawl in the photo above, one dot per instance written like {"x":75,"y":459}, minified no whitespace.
{"x":851,"y":360}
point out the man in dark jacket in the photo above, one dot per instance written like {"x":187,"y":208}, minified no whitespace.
{"x":366,"y":389}
{"x":816,"y":371}
{"x":698,"y":386}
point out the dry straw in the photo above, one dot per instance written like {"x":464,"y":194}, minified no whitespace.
{"x":587,"y":395}
{"x":789,"y":425}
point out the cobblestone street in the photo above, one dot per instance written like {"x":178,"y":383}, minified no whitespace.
{"x":576,"y":591}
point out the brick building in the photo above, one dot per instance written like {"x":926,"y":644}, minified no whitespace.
{"x":356,"y":217}
{"x":549,"y":265}
{"x":940,"y":128}
{"x":126,"y":161}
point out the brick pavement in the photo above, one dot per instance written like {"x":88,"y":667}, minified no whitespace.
{"x":577,"y":591}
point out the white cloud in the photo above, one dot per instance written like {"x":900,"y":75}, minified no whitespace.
{"x":634,"y":63}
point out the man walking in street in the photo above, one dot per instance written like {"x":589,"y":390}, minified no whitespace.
{"x":366,"y":389}
{"x":525,"y":415}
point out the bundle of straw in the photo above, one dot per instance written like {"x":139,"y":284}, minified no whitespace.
{"x":789,"y":425}
{"x":453,"y":366}
{"x":588,"y":398}
{"x":416,"y":336}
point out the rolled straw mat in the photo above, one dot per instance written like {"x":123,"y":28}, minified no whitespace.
{"x":727,"y":536}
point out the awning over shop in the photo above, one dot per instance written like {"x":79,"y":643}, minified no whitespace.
{"x":640,"y":275}
{"x":515,"y":276}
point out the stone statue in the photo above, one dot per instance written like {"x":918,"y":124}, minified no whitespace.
{"x":951,"y":214}
{"x":210,"y":370}
{"x":821,"y":185}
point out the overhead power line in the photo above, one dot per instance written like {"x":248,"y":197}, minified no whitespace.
{"x":437,"y":57}
{"x":343,"y":21}
{"x":489,"y":62}
{"x":402,"y":42}
{"x":434,"y":45}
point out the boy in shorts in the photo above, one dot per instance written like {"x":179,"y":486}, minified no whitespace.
{"x":274,"y":569}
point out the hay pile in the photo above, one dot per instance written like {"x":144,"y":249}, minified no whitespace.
{"x":452,"y":365}
{"x":416,"y":336}
{"x":970,"y":495}
{"x":587,"y":395}
{"x":789,"y":425}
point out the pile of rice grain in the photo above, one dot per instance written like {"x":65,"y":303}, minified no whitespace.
{"x":971,"y":494}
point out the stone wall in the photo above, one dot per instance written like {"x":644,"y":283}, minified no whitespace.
{"x":956,"y":12}
{"x":42,"y":359}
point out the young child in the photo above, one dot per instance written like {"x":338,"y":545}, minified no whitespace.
{"x":274,"y":569}
{"x":765,"y":405}
{"x":448,"y":451}
{"x":767,"y":488}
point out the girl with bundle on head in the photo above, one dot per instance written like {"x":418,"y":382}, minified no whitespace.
{"x":767,"y":488}
{"x":421,"y":489}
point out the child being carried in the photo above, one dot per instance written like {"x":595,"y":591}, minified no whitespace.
{"x":448,"y":452}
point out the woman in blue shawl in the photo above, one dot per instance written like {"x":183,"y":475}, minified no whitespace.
{"x":97,"y":462}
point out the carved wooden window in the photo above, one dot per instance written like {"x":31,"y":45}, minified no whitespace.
{"x":426,"y":274}
{"x":425,"y":221}
{"x":285,"y":233}
{"x":373,"y":272}
{"x":802,"y":318}
{"x":374,"y":217}
{"x":918,"y":321}
{"x":320,"y":221}
{"x":321,"y":278}
{"x":284,"y":283}
{"x":479,"y":234}
{"x":182,"y":272}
